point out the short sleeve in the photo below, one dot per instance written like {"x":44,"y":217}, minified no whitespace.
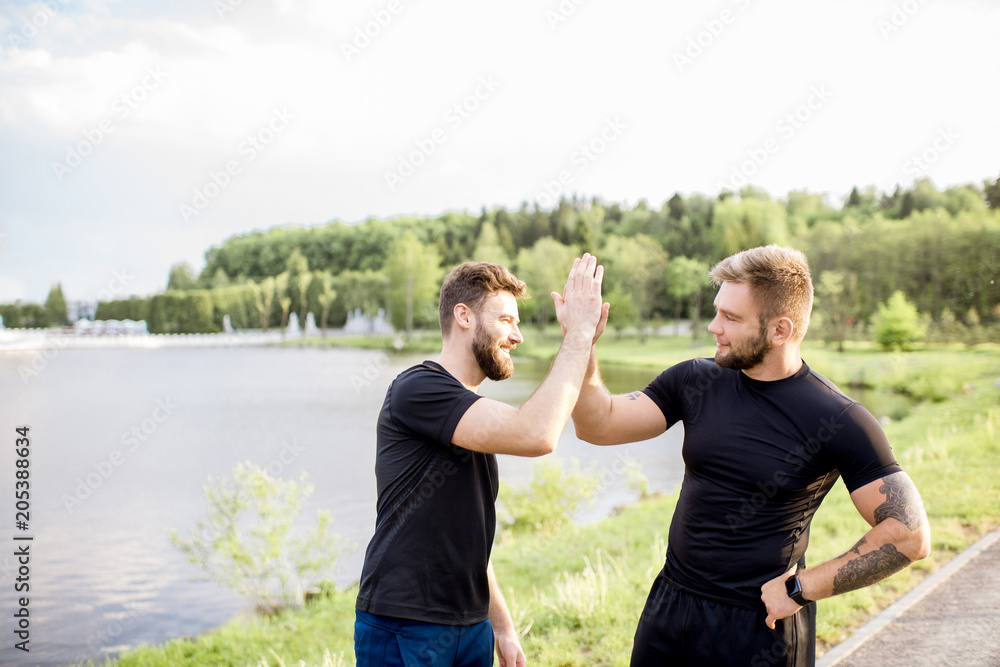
{"x":666,"y":390}
{"x":430,"y":403}
{"x":859,"y":448}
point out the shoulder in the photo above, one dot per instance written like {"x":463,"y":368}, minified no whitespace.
{"x":690,"y":368}
{"x":427,"y":373}
{"x":682,"y":387}
{"x":424,"y":383}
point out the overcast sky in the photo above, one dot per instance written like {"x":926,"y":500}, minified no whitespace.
{"x":134,"y":135}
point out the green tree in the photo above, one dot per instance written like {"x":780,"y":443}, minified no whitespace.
{"x":246,"y":541}
{"x":326,"y":298}
{"x":263,"y":295}
{"x":285,"y":301}
{"x":898,"y":323}
{"x":190,"y":311}
{"x":181,"y":277}
{"x":297,"y":268}
{"x":219,"y":279}
{"x":414,"y":274}
{"x":686,"y":278}
{"x":925,"y":196}
{"x":637,"y":266}
{"x":676,"y":208}
{"x":55,"y":306}
{"x":747,"y":223}
{"x":991,"y":192}
{"x":623,"y":313}
{"x":836,"y":292}
{"x":544,"y":268}
{"x":488,"y":247}
{"x":366,"y":291}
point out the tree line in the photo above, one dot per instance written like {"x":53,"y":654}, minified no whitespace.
{"x":939,"y":248}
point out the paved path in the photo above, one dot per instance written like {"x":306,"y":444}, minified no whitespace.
{"x":950,"y":618}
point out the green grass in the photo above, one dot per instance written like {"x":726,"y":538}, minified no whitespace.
{"x":578,"y":591}
{"x":305,"y":634}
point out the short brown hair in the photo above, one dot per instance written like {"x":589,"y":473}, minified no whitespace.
{"x":779,"y":279}
{"x":472,"y":283}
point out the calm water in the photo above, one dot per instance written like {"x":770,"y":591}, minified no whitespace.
{"x":122,"y":441}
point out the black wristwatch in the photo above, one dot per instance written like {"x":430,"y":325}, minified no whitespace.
{"x":794,"y":589}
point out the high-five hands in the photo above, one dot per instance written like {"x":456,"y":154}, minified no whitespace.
{"x":579,"y":307}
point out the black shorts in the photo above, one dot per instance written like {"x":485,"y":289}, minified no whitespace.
{"x":680,"y":628}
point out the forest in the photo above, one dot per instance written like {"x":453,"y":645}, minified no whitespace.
{"x":938,"y":248}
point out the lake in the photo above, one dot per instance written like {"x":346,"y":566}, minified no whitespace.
{"x":123,"y":439}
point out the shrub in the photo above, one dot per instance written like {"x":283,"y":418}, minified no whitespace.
{"x":245,"y":542}
{"x":898,"y":323}
{"x":551,"y":499}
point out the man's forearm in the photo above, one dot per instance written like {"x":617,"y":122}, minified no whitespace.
{"x":900,"y":536}
{"x":593,"y":404}
{"x":548,"y":409}
{"x":500,"y":616}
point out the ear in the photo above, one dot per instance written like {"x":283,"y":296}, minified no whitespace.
{"x":784,"y":329}
{"x":463,"y":315}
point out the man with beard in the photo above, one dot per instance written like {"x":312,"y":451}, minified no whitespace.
{"x":428,"y":595}
{"x":765,"y":439}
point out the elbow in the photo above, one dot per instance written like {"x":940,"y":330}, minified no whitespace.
{"x":593,"y":437}
{"x":581,"y":432}
{"x":545,"y":445}
{"x":587,"y":433}
{"x":922,"y":542}
{"x":916,"y":545}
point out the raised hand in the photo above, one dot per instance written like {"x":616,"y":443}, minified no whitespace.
{"x":579,"y":307}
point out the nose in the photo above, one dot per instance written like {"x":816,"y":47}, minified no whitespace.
{"x":515,"y":335}
{"x":714,"y":327}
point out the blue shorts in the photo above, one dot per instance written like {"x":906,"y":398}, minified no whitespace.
{"x":380,"y":641}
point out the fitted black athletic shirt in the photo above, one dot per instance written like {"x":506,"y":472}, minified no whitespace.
{"x":436,"y":506}
{"x":759,"y":457}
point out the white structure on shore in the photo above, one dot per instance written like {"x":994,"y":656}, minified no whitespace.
{"x":359,"y":323}
{"x":111,"y":327}
{"x":293,"y":328}
{"x":311,"y":328}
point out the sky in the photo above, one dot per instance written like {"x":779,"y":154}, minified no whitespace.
{"x":136,"y":135}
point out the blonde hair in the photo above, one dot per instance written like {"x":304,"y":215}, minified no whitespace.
{"x":472,"y":283}
{"x":778,"y":278}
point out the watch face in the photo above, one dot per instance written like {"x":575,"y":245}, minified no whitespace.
{"x":792,"y":585}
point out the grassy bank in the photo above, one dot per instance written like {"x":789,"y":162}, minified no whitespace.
{"x":578,"y":592}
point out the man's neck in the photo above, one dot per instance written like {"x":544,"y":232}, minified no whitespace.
{"x":782,"y":362}
{"x":462,"y":365}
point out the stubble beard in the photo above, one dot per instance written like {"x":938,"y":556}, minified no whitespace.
{"x":492,"y":361}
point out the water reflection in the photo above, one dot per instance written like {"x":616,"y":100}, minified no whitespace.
{"x":123,"y":440}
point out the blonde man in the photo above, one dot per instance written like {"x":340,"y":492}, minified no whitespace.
{"x":765,"y":439}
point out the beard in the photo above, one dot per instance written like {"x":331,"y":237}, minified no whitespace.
{"x":749,"y":354}
{"x":492,"y":361}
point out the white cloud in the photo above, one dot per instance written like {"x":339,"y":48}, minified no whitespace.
{"x":226,"y":75}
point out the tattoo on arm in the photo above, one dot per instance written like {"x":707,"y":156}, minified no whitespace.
{"x":634,"y":396}
{"x":866,"y":570}
{"x":856,"y":549}
{"x":902,"y":502}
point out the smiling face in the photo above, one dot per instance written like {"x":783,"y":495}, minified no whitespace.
{"x":741,"y":342}
{"x":496,"y":335}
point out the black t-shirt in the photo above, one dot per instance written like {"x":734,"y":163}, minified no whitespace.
{"x":759,"y":457}
{"x":436,"y":507}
